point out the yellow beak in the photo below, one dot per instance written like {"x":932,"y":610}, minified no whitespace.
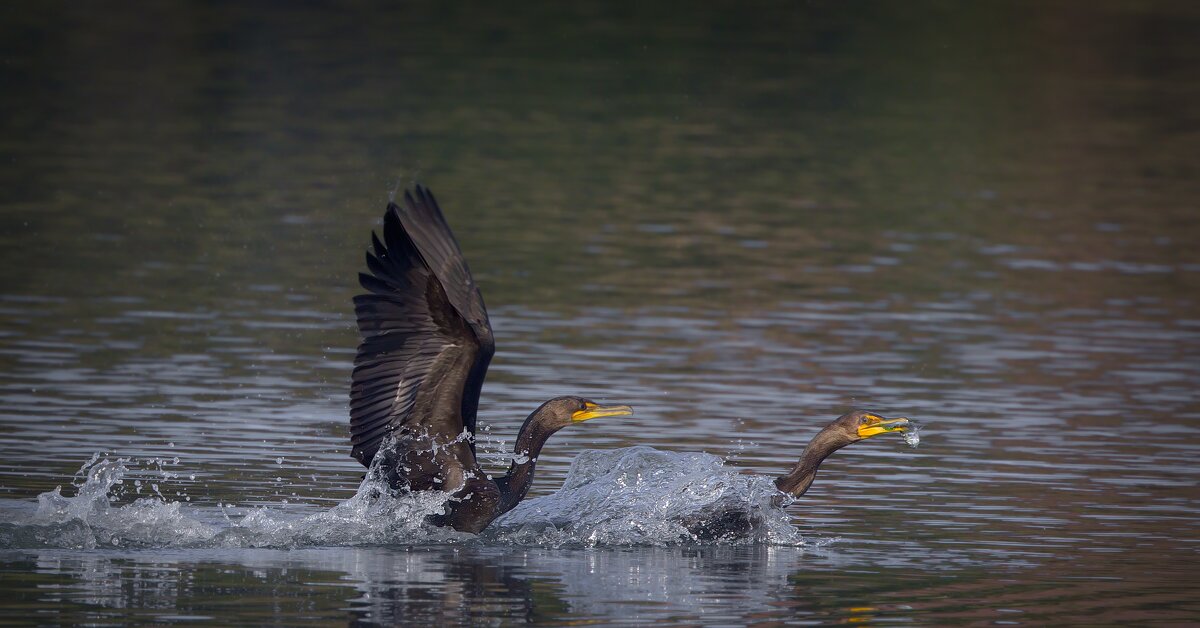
{"x":593,"y":411}
{"x":882,"y":426}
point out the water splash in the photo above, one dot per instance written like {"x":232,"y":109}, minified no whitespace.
{"x":912,"y":435}
{"x":93,"y":518}
{"x":89,"y":520}
{"x":623,"y":497}
{"x":373,"y":516}
{"x":644,"y":496}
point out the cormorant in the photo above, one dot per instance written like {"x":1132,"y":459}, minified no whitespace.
{"x":844,"y":430}
{"x":426,"y":345}
{"x":731,"y":522}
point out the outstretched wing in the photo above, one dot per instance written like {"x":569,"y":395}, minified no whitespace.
{"x":426,"y":339}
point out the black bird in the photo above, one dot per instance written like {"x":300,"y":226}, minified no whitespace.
{"x":426,"y":345}
{"x":724,"y":521}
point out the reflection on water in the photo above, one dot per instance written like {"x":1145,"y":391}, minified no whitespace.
{"x":478,"y":583}
{"x":743,"y":221}
{"x":438,"y":584}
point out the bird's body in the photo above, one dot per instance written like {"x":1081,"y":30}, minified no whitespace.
{"x":426,"y":346}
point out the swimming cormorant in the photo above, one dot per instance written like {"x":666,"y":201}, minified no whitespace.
{"x":844,"y":430}
{"x":724,"y":521}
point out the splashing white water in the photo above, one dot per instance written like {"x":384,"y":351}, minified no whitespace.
{"x":912,"y":436}
{"x":633,"y":496}
{"x":644,"y":496}
{"x":89,"y":519}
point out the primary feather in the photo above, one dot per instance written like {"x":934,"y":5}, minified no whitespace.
{"x":426,"y":338}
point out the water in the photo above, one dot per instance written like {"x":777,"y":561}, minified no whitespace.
{"x":636,"y":496}
{"x":741,"y":221}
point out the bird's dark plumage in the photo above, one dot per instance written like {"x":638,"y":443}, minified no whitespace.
{"x":426,"y":346}
{"x":426,"y":339}
{"x":726,"y":522}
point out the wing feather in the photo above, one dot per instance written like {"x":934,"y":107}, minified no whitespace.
{"x":426,"y":339}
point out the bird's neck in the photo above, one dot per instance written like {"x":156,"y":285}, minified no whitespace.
{"x":802,"y":475}
{"x":515,"y":484}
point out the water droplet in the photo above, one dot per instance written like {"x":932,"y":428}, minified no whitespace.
{"x":279,"y":460}
{"x":912,"y":436}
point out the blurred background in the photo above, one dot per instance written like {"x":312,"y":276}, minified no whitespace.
{"x":742,"y":218}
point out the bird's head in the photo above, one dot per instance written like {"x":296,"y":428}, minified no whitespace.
{"x":563,"y":411}
{"x":861,"y":424}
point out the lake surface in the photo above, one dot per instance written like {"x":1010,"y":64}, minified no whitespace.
{"x":743,"y":220}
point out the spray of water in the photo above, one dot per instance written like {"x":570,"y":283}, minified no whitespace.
{"x":644,"y":496}
{"x":93,"y":518}
{"x":912,"y":436}
{"x":632,"y":496}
